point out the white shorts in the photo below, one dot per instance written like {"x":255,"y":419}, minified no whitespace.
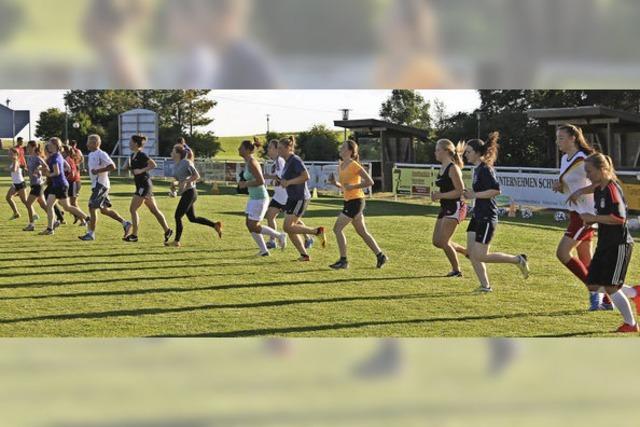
{"x":257,"y":209}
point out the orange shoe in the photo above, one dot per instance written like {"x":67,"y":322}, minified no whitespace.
{"x":628,"y":328}
{"x":218,"y":227}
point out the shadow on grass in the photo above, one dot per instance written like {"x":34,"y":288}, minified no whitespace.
{"x":276,"y":303}
{"x":356,"y":325}
{"x":189,"y":289}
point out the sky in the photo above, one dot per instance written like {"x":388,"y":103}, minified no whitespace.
{"x":243,"y":112}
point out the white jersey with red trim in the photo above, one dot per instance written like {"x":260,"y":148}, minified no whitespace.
{"x":573,"y":177}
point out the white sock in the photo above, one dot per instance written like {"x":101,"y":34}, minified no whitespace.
{"x":268,"y":231}
{"x":629,"y":292}
{"x":622,"y":303}
{"x":260,"y":242}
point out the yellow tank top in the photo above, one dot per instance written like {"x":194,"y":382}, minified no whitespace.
{"x":351,"y":175}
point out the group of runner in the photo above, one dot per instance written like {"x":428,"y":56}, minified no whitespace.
{"x":594,"y":196}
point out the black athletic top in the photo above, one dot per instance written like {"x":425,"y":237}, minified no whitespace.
{"x":140,"y":160}
{"x":484,"y":178}
{"x":445,"y":184}
{"x":610,"y":201}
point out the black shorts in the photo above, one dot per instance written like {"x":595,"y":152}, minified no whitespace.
{"x":144,"y":189}
{"x":60,"y":193}
{"x":353,"y":208}
{"x":456,"y":210}
{"x":277,"y":205}
{"x":36,"y":190}
{"x":484,"y":230}
{"x":609,"y":265}
{"x":74,"y":189}
{"x":99,"y":197}
{"x":19,"y":186}
{"x":296,"y":207}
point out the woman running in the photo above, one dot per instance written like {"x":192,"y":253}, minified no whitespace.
{"x":279,"y":199}
{"x":35,"y":165}
{"x":12,"y":192}
{"x":575,"y":148}
{"x":72,"y":173}
{"x":613,"y":252}
{"x":59,"y":186}
{"x":258,"y":199}
{"x":18,"y":185}
{"x":485,"y":211}
{"x":140,"y":165}
{"x":353,"y":180}
{"x":453,"y":209}
{"x":187,"y":176}
{"x":294,"y":179}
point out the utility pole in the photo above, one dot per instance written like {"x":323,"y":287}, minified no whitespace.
{"x":268,"y":119}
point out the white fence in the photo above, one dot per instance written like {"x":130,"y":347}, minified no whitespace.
{"x":229,"y":171}
{"x":523,"y":186}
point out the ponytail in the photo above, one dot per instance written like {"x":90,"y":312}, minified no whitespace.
{"x":289,"y":142}
{"x":488,"y":150}
{"x":251,"y":146}
{"x":604,"y":164}
{"x":355,"y":150}
{"x":455,"y":151}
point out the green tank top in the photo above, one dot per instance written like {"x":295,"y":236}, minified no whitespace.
{"x":255,"y":193}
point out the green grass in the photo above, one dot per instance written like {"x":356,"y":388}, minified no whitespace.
{"x":229,"y":147}
{"x":59,"y":286}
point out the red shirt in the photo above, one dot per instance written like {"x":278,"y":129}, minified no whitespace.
{"x":21,"y":159}
{"x":74,"y":174}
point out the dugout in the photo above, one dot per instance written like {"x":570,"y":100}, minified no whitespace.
{"x":614,"y":132}
{"x":384,"y":144}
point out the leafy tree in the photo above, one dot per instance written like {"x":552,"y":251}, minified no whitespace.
{"x":406,"y":107}
{"x":318,"y":143}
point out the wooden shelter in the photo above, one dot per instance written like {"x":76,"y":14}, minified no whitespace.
{"x":615,"y":132}
{"x":384,"y":144}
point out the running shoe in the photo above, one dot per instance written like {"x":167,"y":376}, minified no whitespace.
{"x":523,"y":265}
{"x":36,"y":217}
{"x":381,"y":260}
{"x":594,"y":302}
{"x":304,"y":258}
{"x":271,"y":244}
{"x":282,"y":241}
{"x":130,"y":238}
{"x":482,"y":289}
{"x":218,"y":227}
{"x":173,"y":244}
{"x":127,"y":228}
{"x":87,"y":237}
{"x":308,"y":242}
{"x":14,"y":217}
{"x":454,"y":274}
{"x":29,"y":227}
{"x":340,"y":264}
{"x":321,"y":235}
{"x":625,"y":328}
{"x":56,"y":224}
{"x":263,"y":254}
{"x":167,"y":235}
{"x":46,"y":232}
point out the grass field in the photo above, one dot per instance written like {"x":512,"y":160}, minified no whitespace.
{"x":59,"y":286}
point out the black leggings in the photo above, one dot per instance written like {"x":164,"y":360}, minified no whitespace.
{"x":185,"y":207}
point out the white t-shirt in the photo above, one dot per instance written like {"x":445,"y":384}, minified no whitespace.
{"x":280,"y":193}
{"x":16,"y":177}
{"x":573,"y":178}
{"x":97,"y":160}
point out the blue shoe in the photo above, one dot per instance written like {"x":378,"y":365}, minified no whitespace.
{"x":87,"y":237}
{"x":308,"y":243}
{"x":606,"y":307}
{"x":594,"y":302}
{"x":271,"y":245}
